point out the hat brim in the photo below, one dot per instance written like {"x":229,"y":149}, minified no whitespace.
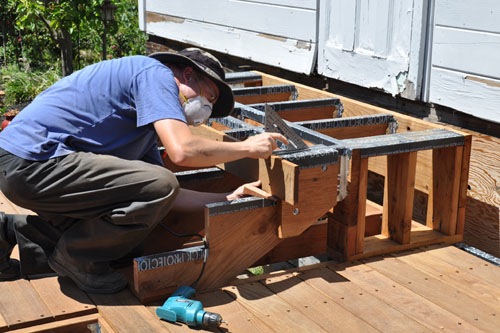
{"x":225,"y":103}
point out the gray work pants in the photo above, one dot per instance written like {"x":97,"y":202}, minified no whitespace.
{"x":93,"y":208}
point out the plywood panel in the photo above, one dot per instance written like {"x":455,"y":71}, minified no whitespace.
{"x":482,"y":215}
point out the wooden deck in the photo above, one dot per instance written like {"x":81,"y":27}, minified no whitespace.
{"x":436,"y":289}
{"x":432,"y":289}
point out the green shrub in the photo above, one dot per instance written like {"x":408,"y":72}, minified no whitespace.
{"x":22,"y":86}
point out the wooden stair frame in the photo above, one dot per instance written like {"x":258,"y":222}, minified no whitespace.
{"x":263,"y":230}
{"x":240,"y":233}
{"x":446,"y":199}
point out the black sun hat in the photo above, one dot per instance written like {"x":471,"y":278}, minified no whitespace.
{"x":208,"y":65}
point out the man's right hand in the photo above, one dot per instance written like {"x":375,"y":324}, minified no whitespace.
{"x":262,"y":145}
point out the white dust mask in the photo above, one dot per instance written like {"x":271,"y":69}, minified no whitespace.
{"x":197,"y":109}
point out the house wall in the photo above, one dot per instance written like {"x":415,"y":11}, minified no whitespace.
{"x":280,"y":33}
{"x":465,"y":57}
{"x":436,"y":51}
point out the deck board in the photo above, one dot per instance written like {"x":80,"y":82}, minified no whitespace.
{"x":21,"y":306}
{"x":450,"y":298}
{"x":479,"y":289}
{"x":278,"y":314}
{"x":317,"y":306}
{"x":62,"y":298}
{"x":372,"y":309}
{"x":123,"y":312}
{"x":236,"y":316}
{"x":474,"y":265}
{"x":396,"y":295}
{"x":79,"y":324}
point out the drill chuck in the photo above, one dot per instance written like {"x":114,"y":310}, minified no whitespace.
{"x":211,"y":320}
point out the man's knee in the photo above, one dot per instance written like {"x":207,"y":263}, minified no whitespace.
{"x":166,"y":186}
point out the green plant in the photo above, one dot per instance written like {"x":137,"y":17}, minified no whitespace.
{"x":21,"y":86}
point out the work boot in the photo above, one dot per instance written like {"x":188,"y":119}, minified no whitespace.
{"x":9,"y":268}
{"x":128,"y":259}
{"x":102,"y":282}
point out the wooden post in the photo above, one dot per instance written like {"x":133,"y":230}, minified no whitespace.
{"x":398,"y":196}
{"x":442,"y":214}
{"x":464,"y":184}
{"x":346,"y":228}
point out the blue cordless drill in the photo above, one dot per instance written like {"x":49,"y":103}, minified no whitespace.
{"x":179,"y":307}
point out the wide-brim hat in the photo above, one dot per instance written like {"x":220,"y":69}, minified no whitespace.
{"x":208,"y":65}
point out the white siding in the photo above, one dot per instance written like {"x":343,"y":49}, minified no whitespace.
{"x":379,"y":44}
{"x":276,"y":32}
{"x":465,"y":72}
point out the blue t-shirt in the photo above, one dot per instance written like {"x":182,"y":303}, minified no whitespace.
{"x":106,"y":108}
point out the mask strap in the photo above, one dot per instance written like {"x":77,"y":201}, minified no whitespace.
{"x":183,"y":97}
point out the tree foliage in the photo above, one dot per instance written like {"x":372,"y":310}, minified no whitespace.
{"x":43,"y":40}
{"x":69,"y":32}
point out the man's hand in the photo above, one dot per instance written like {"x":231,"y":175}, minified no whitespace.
{"x":263,"y":145}
{"x":240,"y":191}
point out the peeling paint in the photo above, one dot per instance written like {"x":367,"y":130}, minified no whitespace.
{"x":278,"y":38}
{"x":401,"y":80}
{"x":154,"y":18}
{"x":410,"y":90}
{"x":303,"y":45}
{"x":488,"y":82}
